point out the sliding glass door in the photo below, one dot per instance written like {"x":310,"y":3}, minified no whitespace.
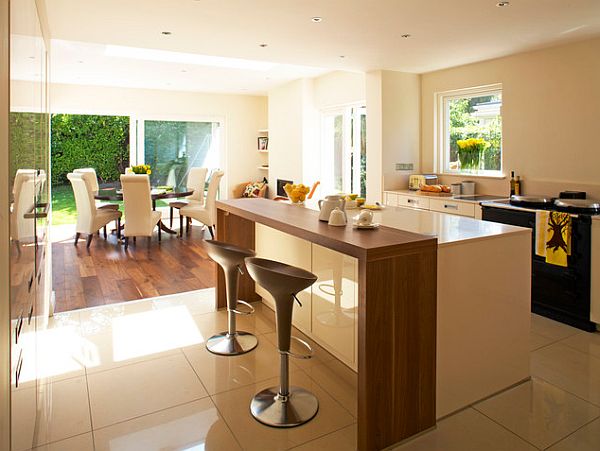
{"x":172,"y":147}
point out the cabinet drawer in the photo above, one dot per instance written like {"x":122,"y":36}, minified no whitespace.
{"x":391,"y":199}
{"x":413,"y":202}
{"x":452,"y":207}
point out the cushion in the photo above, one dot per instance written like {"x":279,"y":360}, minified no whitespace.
{"x":253,"y":189}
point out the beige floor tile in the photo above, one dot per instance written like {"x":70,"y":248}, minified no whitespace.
{"x":585,"y":342}
{"x":550,"y":328}
{"x":142,"y":388}
{"x":569,"y":369}
{"x":342,"y":440}
{"x":196,"y":425}
{"x":221,"y":373}
{"x":320,"y":355}
{"x":585,"y":439}
{"x":213,"y":323}
{"x":467,"y":431}
{"x":64,"y":412}
{"x":83,"y":442}
{"x":99,"y":319}
{"x":234,"y":405}
{"x":537,"y":341}
{"x":339,"y":381}
{"x":197,"y":302}
{"x":539,"y":412}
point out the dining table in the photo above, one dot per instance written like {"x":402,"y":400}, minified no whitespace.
{"x":116,"y":194}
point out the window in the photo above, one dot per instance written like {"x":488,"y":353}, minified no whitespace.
{"x":344,"y":150}
{"x":171,"y":148}
{"x":470,"y":131}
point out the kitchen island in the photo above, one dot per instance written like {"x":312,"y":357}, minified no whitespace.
{"x":386,"y":299}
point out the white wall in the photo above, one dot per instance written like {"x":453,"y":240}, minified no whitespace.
{"x":243,"y":115}
{"x":551,"y":111}
{"x":339,"y":88}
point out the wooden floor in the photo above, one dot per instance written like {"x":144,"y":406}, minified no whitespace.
{"x":106,"y":273}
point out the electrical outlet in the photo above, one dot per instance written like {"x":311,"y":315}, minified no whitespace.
{"x":404,"y":166}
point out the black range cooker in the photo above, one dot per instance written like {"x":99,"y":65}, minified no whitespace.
{"x":560,"y":293}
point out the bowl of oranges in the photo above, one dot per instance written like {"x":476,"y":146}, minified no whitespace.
{"x":296,"y":193}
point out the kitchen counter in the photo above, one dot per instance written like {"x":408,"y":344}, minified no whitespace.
{"x":458,"y":197}
{"x":419,"y":307}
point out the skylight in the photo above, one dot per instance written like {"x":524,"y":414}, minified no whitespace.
{"x":186,"y":58}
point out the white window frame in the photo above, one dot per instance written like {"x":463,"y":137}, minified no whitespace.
{"x":442,"y":131}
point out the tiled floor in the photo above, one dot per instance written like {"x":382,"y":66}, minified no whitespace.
{"x":136,"y":376}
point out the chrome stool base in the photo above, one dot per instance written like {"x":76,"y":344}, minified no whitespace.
{"x":231,"y":344}
{"x":299,"y":407}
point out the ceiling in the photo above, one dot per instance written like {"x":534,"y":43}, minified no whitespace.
{"x":368,"y":34}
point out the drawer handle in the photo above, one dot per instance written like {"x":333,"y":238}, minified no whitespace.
{"x":453,"y":207}
{"x":18,"y":369}
{"x":411,"y":201}
{"x":18,"y":328}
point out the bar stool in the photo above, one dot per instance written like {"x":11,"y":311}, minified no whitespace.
{"x":231,"y":259}
{"x":283,"y":406}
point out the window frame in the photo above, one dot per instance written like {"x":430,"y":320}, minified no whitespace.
{"x":442,"y":129}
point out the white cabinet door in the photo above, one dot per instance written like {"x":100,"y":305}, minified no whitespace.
{"x":335,"y":302}
{"x":452,"y":207}
{"x":275,"y":245}
{"x":391,"y":199}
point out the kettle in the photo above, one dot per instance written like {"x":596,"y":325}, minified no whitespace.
{"x":329,"y":204}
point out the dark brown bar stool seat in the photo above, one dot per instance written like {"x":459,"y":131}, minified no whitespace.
{"x":283,"y":406}
{"x":231,"y":259}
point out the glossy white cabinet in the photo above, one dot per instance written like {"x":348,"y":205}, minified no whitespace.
{"x":335,"y":302}
{"x":439,"y":204}
{"x":452,"y":207}
{"x":276,"y":245}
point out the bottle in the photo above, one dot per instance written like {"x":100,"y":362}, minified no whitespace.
{"x":518,"y":186}
{"x":513,"y":184}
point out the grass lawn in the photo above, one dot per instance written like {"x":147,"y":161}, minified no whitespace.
{"x":63,"y":205}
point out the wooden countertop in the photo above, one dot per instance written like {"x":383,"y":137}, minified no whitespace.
{"x":304,"y":223}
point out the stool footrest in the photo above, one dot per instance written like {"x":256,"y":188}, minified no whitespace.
{"x":308,"y":355}
{"x":242,"y":312}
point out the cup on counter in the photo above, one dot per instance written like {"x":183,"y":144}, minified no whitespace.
{"x":337,"y":218}
{"x":467,"y":188}
{"x":365,"y":218}
{"x":456,"y":189}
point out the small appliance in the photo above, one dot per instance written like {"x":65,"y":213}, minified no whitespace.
{"x":416,"y":180}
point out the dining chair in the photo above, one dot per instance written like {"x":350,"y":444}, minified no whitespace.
{"x":22,"y":228}
{"x":96,"y":187}
{"x":207,"y":213}
{"x":195,"y":180}
{"x":140,"y":219}
{"x":89,"y":218}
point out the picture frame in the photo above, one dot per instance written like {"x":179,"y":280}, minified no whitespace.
{"x":263,"y":143}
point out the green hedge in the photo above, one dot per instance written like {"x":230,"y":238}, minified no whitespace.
{"x":81,"y":141}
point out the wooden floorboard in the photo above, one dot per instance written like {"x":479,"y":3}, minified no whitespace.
{"x":106,"y":273}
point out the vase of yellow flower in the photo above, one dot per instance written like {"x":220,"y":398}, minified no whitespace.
{"x":470,"y":153}
{"x":141,"y":169}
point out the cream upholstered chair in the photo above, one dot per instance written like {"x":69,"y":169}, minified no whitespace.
{"x":140,"y":219}
{"x":96,"y":187}
{"x":89,"y":218}
{"x":207,"y":213}
{"x":195,"y":180}
{"x":24,"y":190}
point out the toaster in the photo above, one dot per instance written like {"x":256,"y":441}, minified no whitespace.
{"x":416,"y":180}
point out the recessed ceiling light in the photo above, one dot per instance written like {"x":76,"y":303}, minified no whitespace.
{"x":31,"y":57}
{"x":342,"y":56}
{"x":183,"y":70}
{"x":166,"y":33}
{"x":79,"y":62}
{"x":502,"y":4}
{"x":317,"y":19}
{"x":405,"y":36}
{"x":263,"y":45}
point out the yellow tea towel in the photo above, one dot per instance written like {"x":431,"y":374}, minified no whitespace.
{"x":558,"y":234}
{"x":541,"y":225}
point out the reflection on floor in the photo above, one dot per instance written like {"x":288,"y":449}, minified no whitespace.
{"x":106,"y":273}
{"x":136,"y":376}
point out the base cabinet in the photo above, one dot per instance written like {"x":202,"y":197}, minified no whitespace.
{"x":329,"y":308}
{"x":441,"y":205}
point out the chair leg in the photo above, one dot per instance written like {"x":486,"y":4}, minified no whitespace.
{"x":105,"y":234}
{"x":77,"y":235}
{"x":89,"y":239}
{"x":126,"y":242}
{"x":159,"y":232}
{"x":149,"y":241}
{"x":171,"y":217}
{"x":212,"y":233}
{"x":118,"y":229}
{"x":134,"y":240}
{"x":188,"y":227}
